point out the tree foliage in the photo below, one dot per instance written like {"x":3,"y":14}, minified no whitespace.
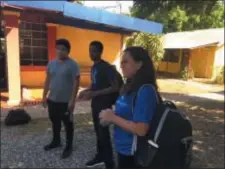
{"x":76,"y":1}
{"x":150,"y":42}
{"x":181,"y":15}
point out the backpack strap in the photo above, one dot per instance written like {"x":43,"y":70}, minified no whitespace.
{"x":134,"y":145}
{"x":163,"y":118}
{"x":160,"y":125}
{"x":158,"y":98}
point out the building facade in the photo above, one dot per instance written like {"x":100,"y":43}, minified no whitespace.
{"x":30,"y":30}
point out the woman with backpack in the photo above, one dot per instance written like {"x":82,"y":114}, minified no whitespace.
{"x":136,"y":105}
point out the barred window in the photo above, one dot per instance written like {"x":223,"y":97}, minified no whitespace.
{"x":171,"y":56}
{"x":33,"y":44}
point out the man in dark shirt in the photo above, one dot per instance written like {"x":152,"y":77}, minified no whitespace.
{"x":102,"y":92}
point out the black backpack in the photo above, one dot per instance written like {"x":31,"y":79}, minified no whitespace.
{"x":17,"y":117}
{"x":168,"y":143}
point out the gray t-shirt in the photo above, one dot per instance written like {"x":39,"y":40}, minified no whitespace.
{"x":62,"y":75}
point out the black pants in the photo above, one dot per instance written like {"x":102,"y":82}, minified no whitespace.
{"x":126,"y":162}
{"x":57,"y":114}
{"x":104,"y":145}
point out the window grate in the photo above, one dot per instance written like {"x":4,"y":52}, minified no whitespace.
{"x":33,"y":44}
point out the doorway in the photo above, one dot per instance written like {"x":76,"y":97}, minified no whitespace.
{"x":185,"y":59}
{"x":3,"y":67}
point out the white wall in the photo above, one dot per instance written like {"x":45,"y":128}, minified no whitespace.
{"x":219,"y":57}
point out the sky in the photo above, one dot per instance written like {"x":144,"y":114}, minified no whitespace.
{"x":112,"y":6}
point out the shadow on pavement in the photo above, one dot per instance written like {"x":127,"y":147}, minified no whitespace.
{"x":207,"y":117}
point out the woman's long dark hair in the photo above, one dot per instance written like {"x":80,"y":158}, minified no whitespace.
{"x":145,"y":75}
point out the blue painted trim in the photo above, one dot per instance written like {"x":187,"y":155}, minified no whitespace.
{"x":108,"y":18}
{"x":100,"y":17}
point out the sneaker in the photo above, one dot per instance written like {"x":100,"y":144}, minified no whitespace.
{"x":51,"y":146}
{"x":67,"y":152}
{"x":95,"y":162}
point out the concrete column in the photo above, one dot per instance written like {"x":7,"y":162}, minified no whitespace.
{"x":13,"y":58}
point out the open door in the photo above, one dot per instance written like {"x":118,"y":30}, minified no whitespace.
{"x":3,"y":77}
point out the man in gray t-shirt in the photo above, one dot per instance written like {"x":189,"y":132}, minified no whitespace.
{"x":60,"y":91}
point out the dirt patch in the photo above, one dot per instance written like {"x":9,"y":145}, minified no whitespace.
{"x":187,"y":87}
{"x":208,"y":130}
{"x":170,"y":86}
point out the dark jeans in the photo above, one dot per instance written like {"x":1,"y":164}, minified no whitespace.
{"x":126,"y":162}
{"x":57,"y":114}
{"x":104,"y":145}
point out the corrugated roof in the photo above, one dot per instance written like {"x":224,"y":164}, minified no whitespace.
{"x":95,"y":16}
{"x":193,"y":39}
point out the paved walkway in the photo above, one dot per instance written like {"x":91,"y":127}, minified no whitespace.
{"x":212,"y":96}
{"x":37,"y":111}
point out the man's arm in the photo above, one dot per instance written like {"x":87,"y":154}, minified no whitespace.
{"x":75,"y":88}
{"x":114,"y":87}
{"x":76,"y":84}
{"x":101,"y":77}
{"x":46,"y":86}
{"x":110,"y":75}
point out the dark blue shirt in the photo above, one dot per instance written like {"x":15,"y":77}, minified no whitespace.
{"x":144,"y":109}
{"x":102,"y":75}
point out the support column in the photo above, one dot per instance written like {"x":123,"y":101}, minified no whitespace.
{"x":52,"y":33}
{"x":13,"y":58}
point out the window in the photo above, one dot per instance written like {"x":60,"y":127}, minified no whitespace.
{"x":171,"y":56}
{"x":33,"y":44}
{"x":2,"y":38}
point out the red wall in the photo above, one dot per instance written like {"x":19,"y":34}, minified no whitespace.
{"x":51,"y":41}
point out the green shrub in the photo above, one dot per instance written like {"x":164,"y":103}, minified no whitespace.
{"x":150,"y":42}
{"x":187,"y":73}
{"x":184,"y":74}
{"x":219,"y":78}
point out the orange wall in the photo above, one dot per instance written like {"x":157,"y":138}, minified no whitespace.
{"x":79,"y":39}
{"x":202,"y":60}
{"x":169,"y":67}
{"x":32,"y":78}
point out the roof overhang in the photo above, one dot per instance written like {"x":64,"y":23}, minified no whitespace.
{"x":193,"y":39}
{"x":192,"y":46}
{"x":77,"y":15}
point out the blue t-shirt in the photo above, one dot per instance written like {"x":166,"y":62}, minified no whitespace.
{"x":62,"y":75}
{"x":144,"y":109}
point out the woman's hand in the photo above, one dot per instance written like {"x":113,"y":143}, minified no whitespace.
{"x":107,"y":116}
